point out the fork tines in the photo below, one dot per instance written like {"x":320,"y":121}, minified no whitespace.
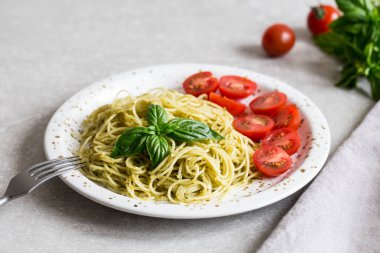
{"x":55,"y":167}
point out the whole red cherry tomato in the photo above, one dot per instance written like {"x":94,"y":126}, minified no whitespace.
{"x":320,"y":17}
{"x":278,"y":39}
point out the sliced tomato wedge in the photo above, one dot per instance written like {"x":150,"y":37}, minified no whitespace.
{"x":271,"y":160}
{"x":236,"y":87}
{"x":288,"y":116}
{"x":200,"y":83}
{"x":285,"y":138}
{"x":255,"y":127}
{"x":232,"y":106}
{"x":269,"y":103}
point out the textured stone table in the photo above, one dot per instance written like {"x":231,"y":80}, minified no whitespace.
{"x":51,"y":49}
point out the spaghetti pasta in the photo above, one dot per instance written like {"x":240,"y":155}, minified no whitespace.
{"x":193,"y":172}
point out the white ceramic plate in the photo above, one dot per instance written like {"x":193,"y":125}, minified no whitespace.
{"x":62,"y":129}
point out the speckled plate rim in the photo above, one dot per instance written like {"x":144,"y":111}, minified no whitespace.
{"x":59,"y":141}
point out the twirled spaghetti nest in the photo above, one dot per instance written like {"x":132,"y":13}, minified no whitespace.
{"x":193,"y":172}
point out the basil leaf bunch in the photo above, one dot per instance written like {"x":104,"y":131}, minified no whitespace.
{"x":153,"y":139}
{"x":355,"y":39}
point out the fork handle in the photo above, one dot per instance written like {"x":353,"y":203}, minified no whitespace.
{"x":4,"y":199}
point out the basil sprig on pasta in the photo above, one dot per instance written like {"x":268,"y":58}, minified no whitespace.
{"x":153,"y":138}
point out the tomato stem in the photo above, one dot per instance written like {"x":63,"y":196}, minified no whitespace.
{"x":319,"y":12}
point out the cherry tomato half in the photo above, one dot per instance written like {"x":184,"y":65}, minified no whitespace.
{"x":285,"y":138}
{"x":288,"y":116}
{"x":278,"y":39}
{"x":320,"y":17}
{"x":271,"y":160}
{"x":269,"y":103}
{"x":255,"y":127}
{"x":232,"y":106}
{"x":236,"y":86}
{"x":200,"y":83}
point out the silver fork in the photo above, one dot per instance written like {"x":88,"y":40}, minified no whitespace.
{"x":25,"y":182}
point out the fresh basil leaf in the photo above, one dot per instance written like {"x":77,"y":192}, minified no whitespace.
{"x":375,"y":87}
{"x":347,"y":5}
{"x":345,"y":25}
{"x":167,"y":128}
{"x":190,"y":130}
{"x":368,"y":52}
{"x":349,"y":76}
{"x":353,"y":53}
{"x":158,"y":148}
{"x":131,"y":142}
{"x":355,"y":39}
{"x":331,"y":43}
{"x":156,"y":115}
{"x":354,"y":8}
{"x":356,"y":15}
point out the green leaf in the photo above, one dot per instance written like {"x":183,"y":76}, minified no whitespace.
{"x":167,"y":128}
{"x":355,"y":39}
{"x":156,"y":115}
{"x":355,"y":9}
{"x":152,"y":138}
{"x":346,"y":25}
{"x":331,"y":43}
{"x":158,"y":149}
{"x":131,"y":142}
{"x":375,"y":86}
{"x":353,"y":53}
{"x":349,"y":76}
{"x":190,"y":130}
{"x":347,"y":5}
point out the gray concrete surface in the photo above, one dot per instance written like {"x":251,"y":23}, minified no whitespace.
{"x":51,"y":49}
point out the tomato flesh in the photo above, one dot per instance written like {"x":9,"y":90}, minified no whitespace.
{"x":320,"y":17}
{"x":285,"y":138}
{"x":236,"y":87}
{"x":268,"y":103}
{"x":288,"y":116}
{"x":271,"y":160}
{"x":278,"y":39}
{"x":232,"y":106}
{"x":255,"y":127}
{"x":200,"y":83}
